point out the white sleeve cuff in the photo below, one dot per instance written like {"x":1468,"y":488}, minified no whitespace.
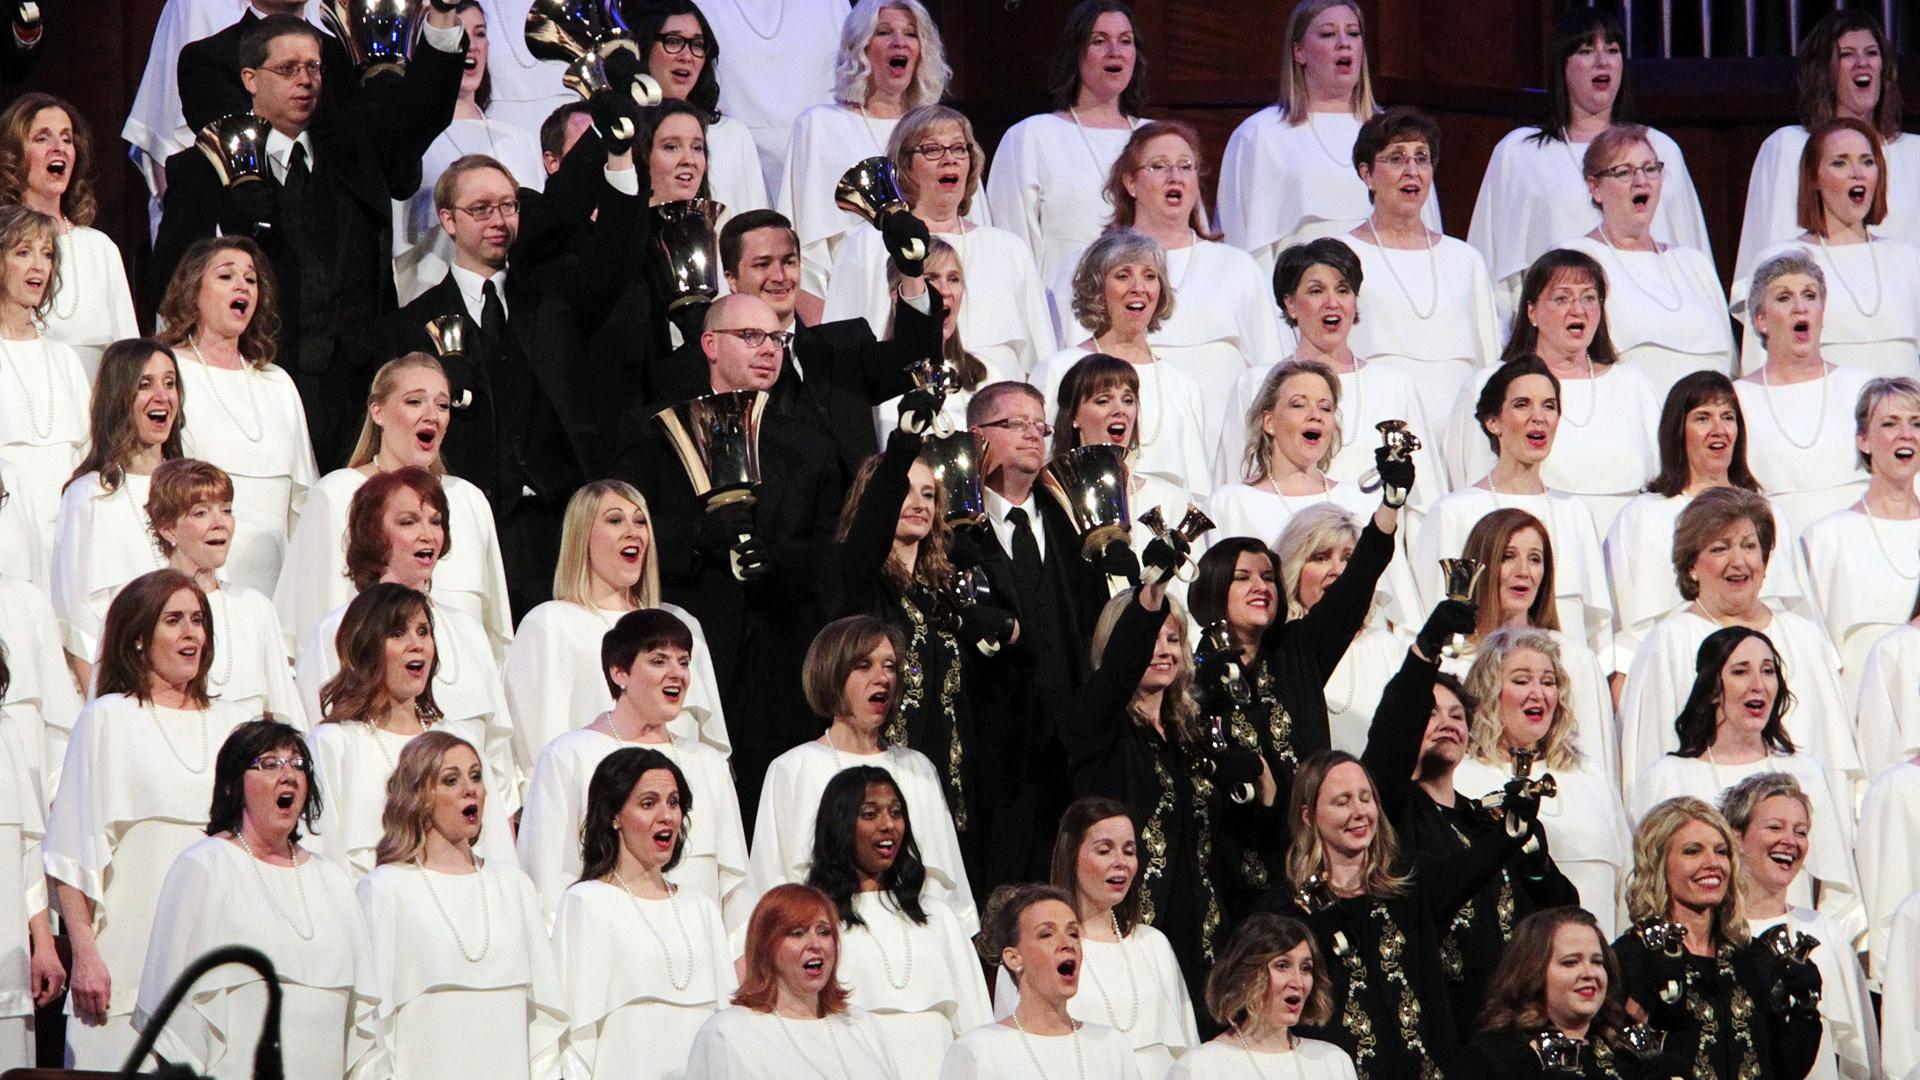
{"x":444,"y":38}
{"x":624,"y":181}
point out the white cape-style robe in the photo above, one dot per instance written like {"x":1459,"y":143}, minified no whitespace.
{"x":777,"y":60}
{"x":1224,"y":1059}
{"x":40,"y":701}
{"x":1873,"y":306}
{"x":1586,"y":830}
{"x":1863,"y":572}
{"x":251,"y":424}
{"x":1772,"y":208}
{"x":23,"y":544}
{"x":1900,"y":1005}
{"x":1048,"y":186}
{"x":1135,"y":988}
{"x":742,"y":1044}
{"x":920,"y":984}
{"x":352,"y":761}
{"x":23,"y":882}
{"x":100,"y":543}
{"x":1430,"y":315}
{"x":1800,"y":441}
{"x":1664,"y":311}
{"x":43,"y":425}
{"x":998,"y":1052}
{"x":1171,"y":422}
{"x":93,"y":307}
{"x":1883,"y":850}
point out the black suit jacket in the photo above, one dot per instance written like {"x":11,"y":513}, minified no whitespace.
{"x":18,"y":58}
{"x":209,"y":75}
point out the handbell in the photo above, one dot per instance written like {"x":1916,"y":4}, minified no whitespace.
{"x":718,"y":440}
{"x":955,"y":462}
{"x":1642,"y":1040}
{"x":1217,"y":652}
{"x":1791,"y":948}
{"x":587,"y":76}
{"x":237,"y":147}
{"x":942,"y":380}
{"x":683,"y":258}
{"x":1315,"y":896}
{"x":1090,"y":483}
{"x":1400,"y":443}
{"x":377,"y":34}
{"x":1663,"y":936}
{"x":1462,"y":578}
{"x":1193,"y":524}
{"x":566,"y":30}
{"x":1558,"y":1051}
{"x":1544,"y":787}
{"x":449,"y":335}
{"x":871,"y":190}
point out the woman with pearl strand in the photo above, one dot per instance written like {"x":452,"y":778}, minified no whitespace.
{"x":1270,"y":979}
{"x":34,"y":974}
{"x":43,"y":413}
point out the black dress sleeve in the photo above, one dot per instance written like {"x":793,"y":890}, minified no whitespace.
{"x":1095,"y":726}
{"x":863,"y":554}
{"x":1399,"y":726}
{"x":1328,"y":630}
{"x":1793,"y":1040}
{"x":1498,"y":1055}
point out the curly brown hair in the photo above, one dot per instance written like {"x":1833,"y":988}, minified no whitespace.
{"x":358,"y":691}
{"x":1516,"y":994}
{"x":77,"y":204}
{"x":179,"y":310}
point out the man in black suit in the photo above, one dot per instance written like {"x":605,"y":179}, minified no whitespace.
{"x":324,"y":212}
{"x":209,"y":70}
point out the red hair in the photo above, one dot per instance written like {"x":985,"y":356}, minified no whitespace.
{"x":1810,"y":208}
{"x":366,"y":515}
{"x":782,"y":909}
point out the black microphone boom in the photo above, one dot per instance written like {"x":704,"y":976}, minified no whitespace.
{"x":267,"y":1064}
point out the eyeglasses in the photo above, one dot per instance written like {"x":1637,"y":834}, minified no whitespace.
{"x":1625,"y":172}
{"x":753,"y":337}
{"x":1158,"y":169}
{"x":675,"y":44}
{"x":1022,"y":426}
{"x":936,"y":152}
{"x":485,"y":211}
{"x":274,"y":764}
{"x":1400,"y":161}
{"x":312,"y":69}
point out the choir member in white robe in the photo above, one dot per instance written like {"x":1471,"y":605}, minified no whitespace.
{"x":1519,"y":409}
{"x":526,"y":89}
{"x":250,"y":882}
{"x":23,"y":553}
{"x":1033,"y":931}
{"x":637,"y":996}
{"x":1138,"y":990}
{"x":30,"y":973}
{"x":1605,"y":447}
{"x":779,"y":57}
{"x":463,"y":970}
{"x":1049,"y":176}
{"x":1318,"y":284}
{"x":945,"y":274}
{"x":1770,"y":814}
{"x":1862,"y":562}
{"x":40,"y":702}
{"x":1520,"y":685}
{"x":407,"y":414}
{"x":1008,"y":325}
{"x":43,"y":410}
{"x":52,"y":143}
{"x":647,"y":659}
{"x":1870,"y":319}
{"x":1703,"y":445}
{"x":377,"y":696}
{"x":1846,"y":63}
{"x":1533,"y":194}
{"x":190,"y":511}
{"x":1288,"y":169}
{"x":1883,"y":852}
{"x":684,"y":58}
{"x":1721,"y":546}
{"x":1663,"y":300}
{"x":247,"y":417}
{"x":865,"y":858}
{"x":1799,"y":406}
{"x":1121,"y":293}
{"x":101,"y":540}
{"x":848,"y":675}
{"x":1900,"y":1005}
{"x":791,"y":1011}
{"x":133,"y":794}
{"x":1267,"y":982}
{"x":608,"y":567}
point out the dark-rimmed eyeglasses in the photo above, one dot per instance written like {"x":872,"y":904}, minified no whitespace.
{"x":675,"y":44}
{"x":753,"y":337}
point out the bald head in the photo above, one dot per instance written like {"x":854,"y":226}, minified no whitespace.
{"x":732,"y":363}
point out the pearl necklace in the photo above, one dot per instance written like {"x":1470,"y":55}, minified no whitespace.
{"x":1345,"y":702}
{"x":1433,"y":271}
{"x":1359,"y":405}
{"x":293,"y":853}
{"x":486,"y":129}
{"x":1344,"y":164}
{"x":1133,"y":123}
{"x":1026,"y":1042}
{"x":1593,"y":402}
{"x":886,"y":966}
{"x":867,"y":122}
{"x":1133,"y":986}
{"x":1766,"y":388}
{"x":1553,"y":514}
{"x":779,"y":19}
{"x":1879,"y":291}
{"x":832,"y":1037}
{"x":486,"y":915}
{"x":1253,"y":1062}
{"x":222,"y":619}
{"x":1626,"y":267}
{"x":153,"y":713}
{"x":253,"y":403}
{"x":1326,"y":494}
{"x":381,"y":745}
{"x":673,"y":905}
{"x":1873,"y":526}
{"x":33,"y":414}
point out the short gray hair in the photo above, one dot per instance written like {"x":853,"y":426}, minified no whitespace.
{"x":1116,"y":248}
{"x":1795,"y":261}
{"x":1739,"y":802}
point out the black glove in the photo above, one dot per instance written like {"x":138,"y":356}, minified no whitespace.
{"x":1449,"y":617}
{"x":987,"y":627}
{"x":1796,"y":988}
{"x":1164,"y":555}
{"x":246,"y":209}
{"x":722,"y":528}
{"x":443,"y":5}
{"x":1396,"y":477}
{"x":918,"y":410}
{"x":617,"y":119}
{"x":1118,"y":561}
{"x":1523,"y":808}
{"x":751,"y":558}
{"x":623,"y":70}
{"x":906,"y":238}
{"x":1664,"y":993}
{"x":963,"y":550}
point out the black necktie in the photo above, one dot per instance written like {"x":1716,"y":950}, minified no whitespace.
{"x":297,"y":173}
{"x":493,"y":313}
{"x":1026,"y":553}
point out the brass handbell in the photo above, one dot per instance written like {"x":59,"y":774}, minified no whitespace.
{"x":1462,"y":579}
{"x":566,"y":30}
{"x":871,"y":190}
{"x":1315,"y":896}
{"x":237,"y":147}
{"x":377,"y":34}
{"x":1544,"y":787}
{"x":1789,"y":947}
{"x":718,"y":440}
{"x":955,"y":462}
{"x":683,"y":259}
{"x":1401,"y":444}
{"x":943,"y":381}
{"x":1558,"y":1050}
{"x":1090,"y":483}
{"x":587,"y":76}
{"x":1642,"y":1040}
{"x":1193,"y":524}
{"x":449,"y":335}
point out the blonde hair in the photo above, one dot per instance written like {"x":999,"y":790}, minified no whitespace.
{"x":852,"y":74}
{"x":1557,"y":749}
{"x":19,"y":223}
{"x":1179,"y":713}
{"x":1647,"y":894}
{"x":1255,"y":460}
{"x":1307,"y":856}
{"x":573,"y":571}
{"x":385,"y":385}
{"x":906,"y":137}
{"x":1293,"y":81}
{"x":408,"y":815}
{"x":1318,"y":528}
{"x":1898,"y":388}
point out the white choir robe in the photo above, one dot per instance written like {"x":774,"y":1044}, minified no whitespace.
{"x":733,"y":165}
{"x":1830,"y":883}
{"x":1862,"y":573}
{"x":1772,"y":209}
{"x":93,"y":308}
{"x":1370,"y":393}
{"x":422,"y":250}
{"x":1225,"y":1059}
{"x":40,"y":702}
{"x":525,"y":90}
{"x":1873,"y":306}
{"x":1255,"y":510}
{"x":1586,"y":694}
{"x":555,"y":683}
{"x":1431,"y":316}
{"x":1534,"y":195}
{"x":1800,"y":441}
{"x":1586,"y":831}
{"x":1883,"y":852}
{"x":1818,"y":722}
{"x":1639,"y":550}
{"x":1579,"y":569}
{"x":1353,"y":690}
{"x":1849,"y":1038}
{"x":625,"y":1015}
{"x":1281,"y":181}
{"x":251,"y":667}
{"x":100,"y":543}
{"x":1145,"y":492}
{"x":999,"y":1052}
{"x":23,"y":546}
{"x":1900,"y":1005}
{"x":943,"y":995}
{"x":1604,"y":452}
{"x":1171,"y":423}
{"x":886,"y":415}
{"x":352,"y":760}
{"x":713,"y":857}
{"x":1003,"y":318}
{"x":471,"y":578}
{"x":251,"y":424}
{"x":23,"y":882}
{"x":501,"y":1017}
{"x":306,"y":920}
{"x":790,"y":800}
{"x":777,"y":59}
{"x":1665,"y":315}
{"x":133,"y":795}
{"x":1134,"y":987}
{"x":739,"y":1043}
{"x":1048,"y":186}
{"x":43,"y":424}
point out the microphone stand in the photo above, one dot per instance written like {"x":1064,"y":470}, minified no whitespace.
{"x":267,"y":1064}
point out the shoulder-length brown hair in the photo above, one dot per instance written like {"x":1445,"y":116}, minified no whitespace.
{"x":126,"y":639}
{"x":16,"y":128}
{"x":112,"y":436}
{"x":1817,"y":91}
{"x":931,"y":567}
{"x":1306,"y":856}
{"x":1517,"y":992}
{"x":358,"y":691}
{"x":1810,"y":209}
{"x":1084,"y":814}
{"x":1487,"y":544}
{"x":367,"y":511}
{"x":179,"y":309}
{"x":1090,"y":375}
{"x":1132,"y":157}
{"x":18,"y":225}
{"x":407,"y":816}
{"x":785,"y":908}
{"x":1698,"y":389}
{"x":1550,"y":267}
{"x":1238,"y":986}
{"x":836,"y":650}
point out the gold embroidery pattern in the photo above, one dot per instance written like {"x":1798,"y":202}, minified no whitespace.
{"x":1154,"y":839}
{"x":1203,"y":853}
{"x":913,"y":701}
{"x":1279,"y":724}
{"x":1353,"y":1016}
{"x":1603,"y":1060}
{"x":1740,"y":1010}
